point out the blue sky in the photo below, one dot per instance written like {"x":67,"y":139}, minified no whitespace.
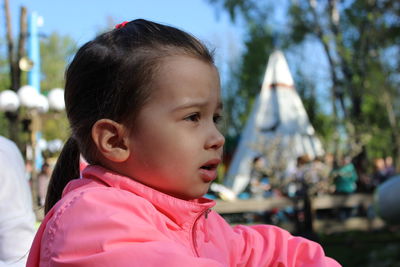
{"x":82,"y":19}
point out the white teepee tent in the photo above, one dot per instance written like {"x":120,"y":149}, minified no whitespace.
{"x":278,"y":113}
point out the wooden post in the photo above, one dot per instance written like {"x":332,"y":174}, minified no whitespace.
{"x":35,"y":127}
{"x":15,"y":72}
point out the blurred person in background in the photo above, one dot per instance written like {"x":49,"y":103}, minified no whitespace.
{"x":345,"y":177}
{"x":379,"y":175}
{"x":259,"y":182}
{"x":319,"y":177}
{"x":43,"y":182}
{"x":17,"y":219}
{"x":389,"y":168}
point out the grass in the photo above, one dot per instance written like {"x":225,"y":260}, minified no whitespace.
{"x":359,"y":248}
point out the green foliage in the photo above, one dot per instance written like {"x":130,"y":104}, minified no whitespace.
{"x":356,"y":248}
{"x":56,"y":51}
{"x":3,"y":125}
{"x":258,"y":46}
{"x":246,"y":79}
{"x":322,"y":122}
{"x":4,"y":85}
{"x":299,"y":24}
{"x":55,"y":126}
{"x":360,"y":41}
{"x":249,"y":9}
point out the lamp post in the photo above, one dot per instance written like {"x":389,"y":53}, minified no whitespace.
{"x":34,"y":22}
{"x":36,"y":105}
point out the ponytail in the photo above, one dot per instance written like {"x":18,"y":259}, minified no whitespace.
{"x":66,"y":169}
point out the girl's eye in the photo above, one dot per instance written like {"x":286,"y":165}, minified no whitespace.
{"x":194,"y":117}
{"x":217,"y":118}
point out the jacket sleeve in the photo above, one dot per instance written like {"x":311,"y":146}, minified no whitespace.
{"x":267,"y":245}
{"x":113,"y":232}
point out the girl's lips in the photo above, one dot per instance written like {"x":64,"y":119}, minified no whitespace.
{"x":208,"y":175}
{"x":208,"y":170}
{"x":213,"y":162}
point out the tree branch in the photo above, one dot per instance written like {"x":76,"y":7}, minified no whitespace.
{"x":21,"y":45}
{"x":10,"y":45}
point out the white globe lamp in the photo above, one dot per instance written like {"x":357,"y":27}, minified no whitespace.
{"x":28,"y":96}
{"x":56,"y":99}
{"x":42,"y":144}
{"x":9,"y":101}
{"x":54,"y":145}
{"x":42,"y":104}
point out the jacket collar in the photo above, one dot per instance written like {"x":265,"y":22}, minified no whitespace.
{"x":183,"y":212}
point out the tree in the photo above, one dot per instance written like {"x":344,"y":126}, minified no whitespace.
{"x":14,"y":57}
{"x":321,"y":120}
{"x":56,"y":51}
{"x":355,"y":36}
{"x":246,"y":77}
{"x":359,"y":41}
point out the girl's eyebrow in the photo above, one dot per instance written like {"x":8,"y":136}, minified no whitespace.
{"x":196,"y":103}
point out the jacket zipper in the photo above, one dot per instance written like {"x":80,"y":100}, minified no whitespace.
{"x":207,"y":212}
{"x":206,"y":237}
{"x":193,"y":237}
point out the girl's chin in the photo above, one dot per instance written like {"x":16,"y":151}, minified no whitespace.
{"x":192,"y":196}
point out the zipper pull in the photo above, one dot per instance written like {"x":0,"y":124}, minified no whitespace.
{"x":206,"y":213}
{"x":206,"y":235}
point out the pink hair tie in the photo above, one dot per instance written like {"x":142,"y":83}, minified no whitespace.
{"x":121,"y":25}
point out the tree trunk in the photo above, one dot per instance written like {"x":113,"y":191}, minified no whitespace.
{"x":395,"y":134}
{"x":15,"y":72}
{"x":397,"y":155}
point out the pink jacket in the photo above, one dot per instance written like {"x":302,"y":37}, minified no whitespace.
{"x":106,"y":219}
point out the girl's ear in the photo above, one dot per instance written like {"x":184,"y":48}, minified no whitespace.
{"x":111,"y":139}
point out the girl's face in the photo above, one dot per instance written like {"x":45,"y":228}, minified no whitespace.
{"x":176,"y":145}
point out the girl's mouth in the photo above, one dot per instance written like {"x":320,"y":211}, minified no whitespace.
{"x":209,"y":167}
{"x":209,"y":170}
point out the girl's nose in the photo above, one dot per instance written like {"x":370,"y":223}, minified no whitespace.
{"x":215,"y":140}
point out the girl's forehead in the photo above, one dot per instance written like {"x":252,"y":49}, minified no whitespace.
{"x":184,"y":61}
{"x":179,"y":70}
{"x":185,"y":79}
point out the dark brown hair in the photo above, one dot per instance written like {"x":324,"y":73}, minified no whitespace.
{"x":110,"y":77}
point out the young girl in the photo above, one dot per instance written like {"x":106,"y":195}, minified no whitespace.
{"x":143,"y":101}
